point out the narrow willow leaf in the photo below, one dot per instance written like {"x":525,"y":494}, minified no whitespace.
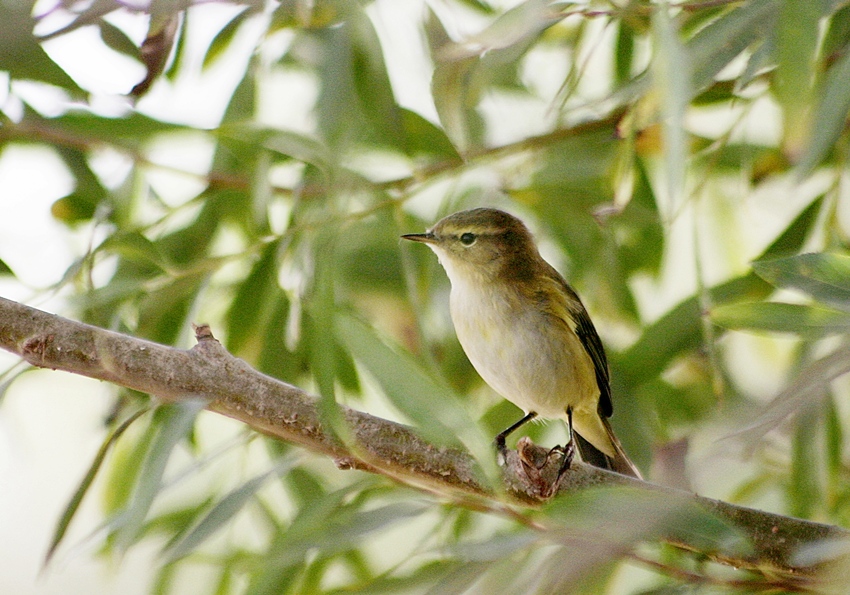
{"x":134,"y":246}
{"x":712,"y":48}
{"x":834,"y":431}
{"x":224,"y":37}
{"x":371,"y":82}
{"x":424,"y":140}
{"x":163,"y":312}
{"x":21,"y":54}
{"x":117,"y":40}
{"x":805,"y":490}
{"x":5,"y":269}
{"x":254,"y":304}
{"x":516,"y":27}
{"x":839,"y":29}
{"x":134,"y":129}
{"x":175,"y":421}
{"x":431,"y":405}
{"x":88,"y":479}
{"x":176,"y":65}
{"x":459,"y":581}
{"x":805,"y":320}
{"x":680,"y":329}
{"x":796,"y":47}
{"x":320,"y":335}
{"x":671,"y":70}
{"x":626,"y":515}
{"x":624,"y":52}
{"x":285,"y":143}
{"x":219,"y":515}
{"x":830,"y":115}
{"x":824,"y":276}
{"x":289,"y":547}
{"x":450,"y":87}
{"x":806,"y":390}
{"x":495,"y":548}
{"x":124,"y":470}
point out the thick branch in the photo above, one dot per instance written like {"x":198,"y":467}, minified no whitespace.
{"x":278,"y":409}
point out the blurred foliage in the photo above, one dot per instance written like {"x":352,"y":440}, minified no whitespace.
{"x":684,"y":165}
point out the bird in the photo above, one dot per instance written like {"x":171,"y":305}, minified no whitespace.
{"x":526,"y":332}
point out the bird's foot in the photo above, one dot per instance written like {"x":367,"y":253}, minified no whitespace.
{"x":538,"y":467}
{"x":567,"y":452}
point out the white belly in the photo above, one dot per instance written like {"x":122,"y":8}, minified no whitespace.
{"x":536,"y":364}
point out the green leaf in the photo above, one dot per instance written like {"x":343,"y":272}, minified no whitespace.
{"x":824,"y":276}
{"x":319,"y":333}
{"x":805,"y":491}
{"x":713,"y":47}
{"x":454,"y":95}
{"x":839,"y":32}
{"x":431,"y":405}
{"x":163,"y":312}
{"x":219,"y":515}
{"x":288,"y":144}
{"x":830,"y":115}
{"x":88,"y":192}
{"x":834,"y":444}
{"x":117,"y":40}
{"x":805,"y":320}
{"x":671,"y":78}
{"x":254,"y":305}
{"x":176,"y":65}
{"x":628,"y":515}
{"x":133,"y":129}
{"x":224,"y":37}
{"x":624,"y":52}
{"x":807,"y":390}
{"x":74,"y":503}
{"x":22,"y":56}
{"x":330,"y":524}
{"x":371,"y":81}
{"x":680,"y":329}
{"x":134,"y":246}
{"x":173,"y":424}
{"x":641,"y":247}
{"x":5,"y":269}
{"x":424,"y":140}
{"x":516,"y":27}
{"x":125,"y":468}
{"x":458,"y":581}
{"x":298,"y":146}
{"x":796,"y":44}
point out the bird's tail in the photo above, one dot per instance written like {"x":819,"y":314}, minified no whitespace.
{"x":620,"y":462}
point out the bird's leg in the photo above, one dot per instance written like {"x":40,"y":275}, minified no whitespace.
{"x":568,"y":450}
{"x":501,"y":448}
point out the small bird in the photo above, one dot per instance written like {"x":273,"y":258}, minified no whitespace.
{"x":526,"y":332}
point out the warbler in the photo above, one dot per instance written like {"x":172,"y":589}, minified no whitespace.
{"x":526,"y":332}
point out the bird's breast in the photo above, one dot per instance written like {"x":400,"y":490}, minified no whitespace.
{"x":522,"y":352}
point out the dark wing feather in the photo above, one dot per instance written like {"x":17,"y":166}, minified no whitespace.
{"x":590,"y":339}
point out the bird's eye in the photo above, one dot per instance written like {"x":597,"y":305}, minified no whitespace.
{"x":467,"y":239}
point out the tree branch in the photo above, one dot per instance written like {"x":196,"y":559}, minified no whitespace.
{"x":278,"y":409}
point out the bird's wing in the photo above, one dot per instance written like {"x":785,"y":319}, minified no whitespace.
{"x":589,"y":338}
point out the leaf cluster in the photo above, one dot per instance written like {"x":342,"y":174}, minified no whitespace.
{"x":683,"y":164}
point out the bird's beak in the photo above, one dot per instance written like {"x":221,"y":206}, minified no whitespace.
{"x":425,"y":238}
